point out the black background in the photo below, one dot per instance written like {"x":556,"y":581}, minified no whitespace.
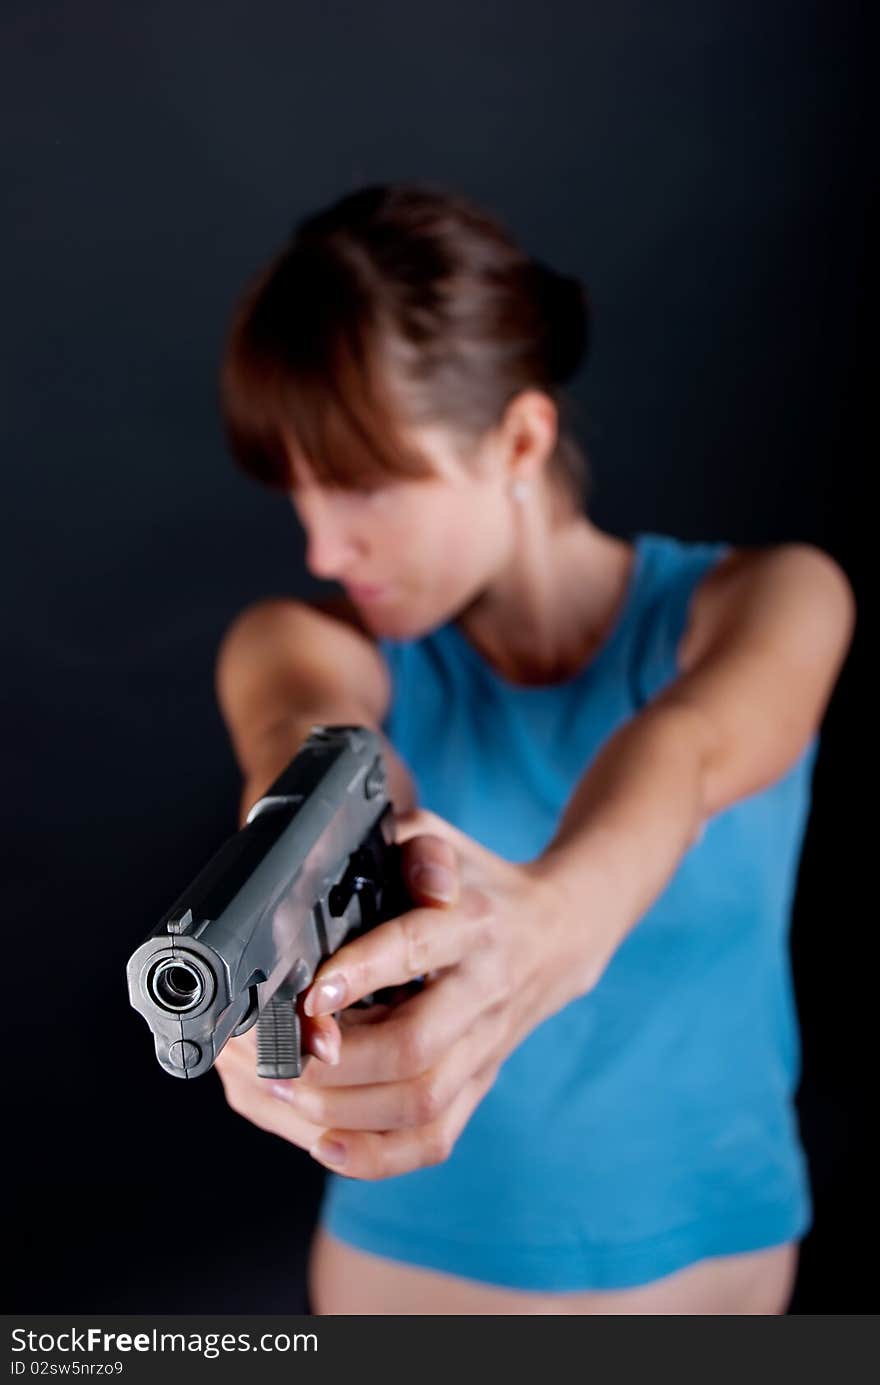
{"x":701,"y":165}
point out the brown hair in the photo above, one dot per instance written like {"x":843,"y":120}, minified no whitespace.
{"x":404,"y":302}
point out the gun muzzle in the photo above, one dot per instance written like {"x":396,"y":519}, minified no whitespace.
{"x":177,"y":985}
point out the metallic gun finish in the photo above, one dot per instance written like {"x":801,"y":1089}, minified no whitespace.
{"x":314,"y":863}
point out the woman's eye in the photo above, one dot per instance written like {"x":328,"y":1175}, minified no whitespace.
{"x":369,"y":491}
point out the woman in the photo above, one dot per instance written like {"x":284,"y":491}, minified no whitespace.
{"x":588,"y":1107}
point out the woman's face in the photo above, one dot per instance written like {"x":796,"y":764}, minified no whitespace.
{"x":412,"y":553}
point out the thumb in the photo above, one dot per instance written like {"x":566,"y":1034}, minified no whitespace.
{"x":431,"y":869}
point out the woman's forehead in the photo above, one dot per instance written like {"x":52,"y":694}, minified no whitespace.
{"x":451,"y":459}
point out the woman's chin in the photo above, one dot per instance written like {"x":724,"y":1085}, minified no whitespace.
{"x":392,"y":619}
{"x":391,"y":624}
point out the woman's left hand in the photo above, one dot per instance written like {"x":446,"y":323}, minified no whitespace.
{"x":500,"y":955}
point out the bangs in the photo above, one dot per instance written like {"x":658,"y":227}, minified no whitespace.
{"x":302,"y":375}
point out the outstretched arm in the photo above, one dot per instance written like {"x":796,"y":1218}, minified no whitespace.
{"x":767,"y":634}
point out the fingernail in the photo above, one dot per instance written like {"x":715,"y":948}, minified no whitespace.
{"x":283,"y":1090}
{"x":325,"y":1048}
{"x":326,"y":997}
{"x":329,"y":1151}
{"x":434,"y":880}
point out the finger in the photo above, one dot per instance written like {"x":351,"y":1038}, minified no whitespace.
{"x":414,"y":1035}
{"x":240,"y":1053}
{"x":392,"y":953}
{"x":430,"y":869}
{"x":416,"y":1101}
{"x":319,"y":1074}
{"x":366,"y":1154}
{"x":239,"y":1050}
{"x":320,"y":1035}
{"x":258,"y":1101}
{"x":422,"y":822}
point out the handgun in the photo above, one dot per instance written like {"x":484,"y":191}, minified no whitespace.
{"x":314,"y":864}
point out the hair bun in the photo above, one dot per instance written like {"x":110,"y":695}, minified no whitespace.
{"x":564,"y":308}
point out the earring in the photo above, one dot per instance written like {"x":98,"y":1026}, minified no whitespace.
{"x":520,"y":490}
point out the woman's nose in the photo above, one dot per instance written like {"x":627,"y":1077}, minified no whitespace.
{"x":329,"y":549}
{"x":323,"y":555}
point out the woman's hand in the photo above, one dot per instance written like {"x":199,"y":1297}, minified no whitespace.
{"x":500,"y":953}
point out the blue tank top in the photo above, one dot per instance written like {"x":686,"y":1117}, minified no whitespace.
{"x":649,"y":1124}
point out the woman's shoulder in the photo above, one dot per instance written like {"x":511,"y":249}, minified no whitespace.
{"x":672,"y":564}
{"x":674,"y":551}
{"x":672,"y":572}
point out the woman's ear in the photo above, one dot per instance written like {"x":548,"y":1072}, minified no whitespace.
{"x":528,"y":433}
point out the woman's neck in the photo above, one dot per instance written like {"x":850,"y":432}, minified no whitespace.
{"x":549,"y":612}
